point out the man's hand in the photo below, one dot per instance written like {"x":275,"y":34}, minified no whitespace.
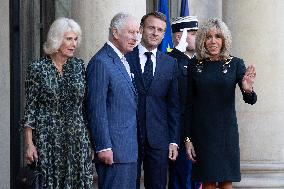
{"x":190,"y":151}
{"x":173,"y":152}
{"x":182,"y":42}
{"x":106,"y":157}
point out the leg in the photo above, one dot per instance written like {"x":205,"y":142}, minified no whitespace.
{"x":195,"y":185}
{"x":180,"y":172}
{"x":155,"y":166}
{"x":118,"y":175}
{"x":209,"y":185}
{"x":172,"y":174}
{"x":139,"y":163}
{"x":225,"y":185}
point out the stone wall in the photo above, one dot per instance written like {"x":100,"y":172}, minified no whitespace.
{"x":94,"y":17}
{"x":4,"y":97}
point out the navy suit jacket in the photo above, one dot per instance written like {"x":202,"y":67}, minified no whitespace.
{"x":112,"y":106}
{"x":161,"y":101}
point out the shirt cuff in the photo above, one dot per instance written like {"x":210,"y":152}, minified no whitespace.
{"x":175,"y":144}
{"x":28,"y":125}
{"x":103,"y":150}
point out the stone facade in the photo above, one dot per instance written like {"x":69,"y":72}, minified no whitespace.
{"x":94,"y":17}
{"x":258,"y":37}
{"x":4,"y":97}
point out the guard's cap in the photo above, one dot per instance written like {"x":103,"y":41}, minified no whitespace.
{"x":187,"y":22}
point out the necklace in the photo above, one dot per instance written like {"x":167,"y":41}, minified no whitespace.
{"x":225,"y":67}
{"x":59,"y":66}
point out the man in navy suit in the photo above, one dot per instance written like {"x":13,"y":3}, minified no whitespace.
{"x":158,"y":102}
{"x":112,"y":106}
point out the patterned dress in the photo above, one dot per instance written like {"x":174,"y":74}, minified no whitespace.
{"x":212,"y":118}
{"x":55,"y":111}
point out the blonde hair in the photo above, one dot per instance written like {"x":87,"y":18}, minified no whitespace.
{"x":202,"y":33}
{"x":56,"y":33}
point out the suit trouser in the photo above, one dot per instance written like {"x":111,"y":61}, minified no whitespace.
{"x":155,"y":166}
{"x":180,"y":172}
{"x":117,"y":175}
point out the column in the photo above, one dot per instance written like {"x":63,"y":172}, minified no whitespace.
{"x":4,"y":97}
{"x":205,"y":9}
{"x":258,"y":37}
{"x":94,"y":17}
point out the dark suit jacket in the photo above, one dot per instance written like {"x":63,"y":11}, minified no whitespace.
{"x":161,"y":101}
{"x":112,"y":106}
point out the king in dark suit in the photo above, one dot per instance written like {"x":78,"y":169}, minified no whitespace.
{"x":158,"y":102}
{"x":112,"y":107}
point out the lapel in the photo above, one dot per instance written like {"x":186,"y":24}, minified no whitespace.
{"x":135,"y":64}
{"x":159,"y":66}
{"x":134,"y":61}
{"x":158,"y":70}
{"x":118,"y":63}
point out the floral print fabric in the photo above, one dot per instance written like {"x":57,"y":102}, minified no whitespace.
{"x":55,"y":111}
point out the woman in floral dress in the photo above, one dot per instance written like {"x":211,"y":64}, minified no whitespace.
{"x":54,"y":125}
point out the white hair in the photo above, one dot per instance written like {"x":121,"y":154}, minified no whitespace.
{"x":118,"y":21}
{"x":56,"y":33}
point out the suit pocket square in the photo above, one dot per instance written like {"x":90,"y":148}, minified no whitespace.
{"x":132,"y":76}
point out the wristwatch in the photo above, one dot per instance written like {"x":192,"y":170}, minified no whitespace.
{"x":187,"y":139}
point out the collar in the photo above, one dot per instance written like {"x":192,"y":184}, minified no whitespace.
{"x":190,"y":57}
{"x":120,"y":55}
{"x":142,"y":50}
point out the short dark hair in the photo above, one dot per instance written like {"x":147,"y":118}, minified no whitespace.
{"x":156,"y":14}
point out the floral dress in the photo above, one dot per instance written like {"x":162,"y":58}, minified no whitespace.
{"x":55,"y":111}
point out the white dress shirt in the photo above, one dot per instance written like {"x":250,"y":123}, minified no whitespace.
{"x":121,"y":56}
{"x":143,"y":57}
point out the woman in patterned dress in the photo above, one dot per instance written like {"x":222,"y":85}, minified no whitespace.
{"x":212,"y":140}
{"x":54,"y":123}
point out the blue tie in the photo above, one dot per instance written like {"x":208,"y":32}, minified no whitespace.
{"x":148,"y":70}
